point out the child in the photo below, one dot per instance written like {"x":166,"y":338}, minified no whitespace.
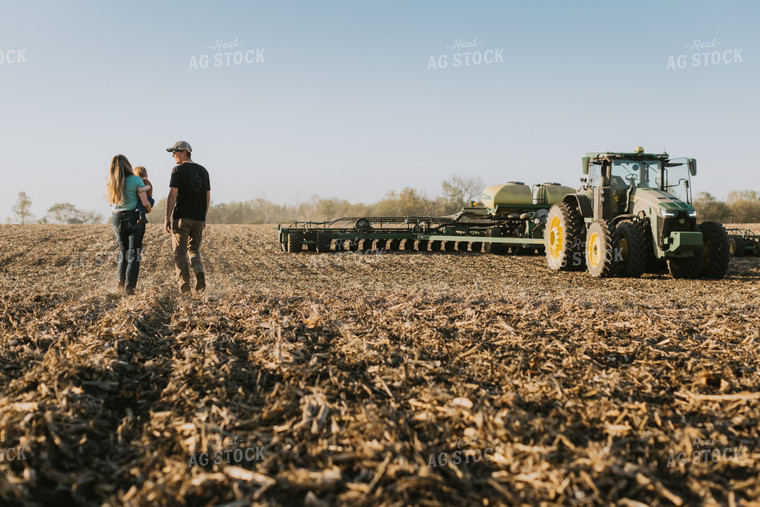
{"x":143,"y":173}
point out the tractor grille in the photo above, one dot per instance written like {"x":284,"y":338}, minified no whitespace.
{"x":682,"y":222}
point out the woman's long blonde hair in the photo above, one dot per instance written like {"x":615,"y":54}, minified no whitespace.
{"x":120,"y":169}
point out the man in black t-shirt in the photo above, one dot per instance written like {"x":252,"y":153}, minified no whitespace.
{"x":186,"y":208}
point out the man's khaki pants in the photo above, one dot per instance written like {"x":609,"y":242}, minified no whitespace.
{"x":186,"y":237}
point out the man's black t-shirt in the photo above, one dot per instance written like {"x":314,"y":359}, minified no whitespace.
{"x":192,"y":183}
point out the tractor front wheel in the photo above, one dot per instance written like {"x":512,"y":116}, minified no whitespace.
{"x":633,"y":249}
{"x":602,"y":249}
{"x":717,"y":254}
{"x":686,"y":267}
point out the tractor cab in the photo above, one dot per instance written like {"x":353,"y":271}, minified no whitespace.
{"x":614,"y":179}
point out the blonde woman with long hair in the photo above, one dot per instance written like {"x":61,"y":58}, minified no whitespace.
{"x":123,"y":191}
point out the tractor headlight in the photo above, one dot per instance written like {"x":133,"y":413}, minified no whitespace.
{"x":693,"y":214}
{"x":667,"y":214}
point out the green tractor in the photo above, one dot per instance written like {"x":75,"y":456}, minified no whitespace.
{"x":634,"y":215}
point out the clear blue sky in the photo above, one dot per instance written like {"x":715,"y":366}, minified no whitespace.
{"x":345,"y":105}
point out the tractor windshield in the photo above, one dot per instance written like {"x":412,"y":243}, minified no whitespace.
{"x":677,"y":179}
{"x":635,"y":173}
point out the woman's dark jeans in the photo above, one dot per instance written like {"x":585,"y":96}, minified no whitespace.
{"x":129,"y":234}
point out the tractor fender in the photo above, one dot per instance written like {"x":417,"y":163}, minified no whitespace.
{"x":582,"y":202}
{"x":620,"y":218}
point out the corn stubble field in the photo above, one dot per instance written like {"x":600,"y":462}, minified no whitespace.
{"x":392,"y":379}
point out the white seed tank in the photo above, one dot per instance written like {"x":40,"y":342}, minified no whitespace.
{"x":550,"y":193}
{"x":514,"y":193}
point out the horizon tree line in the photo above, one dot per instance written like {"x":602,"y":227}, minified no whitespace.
{"x":741,"y":206}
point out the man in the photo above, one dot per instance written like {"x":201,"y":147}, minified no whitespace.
{"x":188,"y":201}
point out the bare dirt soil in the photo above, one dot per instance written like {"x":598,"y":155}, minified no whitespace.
{"x":392,"y":379}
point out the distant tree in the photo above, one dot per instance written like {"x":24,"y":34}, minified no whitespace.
{"x":408,"y":202}
{"x":411,"y":202}
{"x":265,"y":207}
{"x":90,"y":217}
{"x":387,"y":206}
{"x":158,"y":212}
{"x":63,"y":213}
{"x":743,"y":195}
{"x":22,"y":207}
{"x":709,"y":208}
{"x":327,"y":209}
{"x":745,"y":206}
{"x":458,"y":191}
{"x":67,"y":213}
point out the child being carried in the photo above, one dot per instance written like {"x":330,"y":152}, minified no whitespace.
{"x":143,"y":173}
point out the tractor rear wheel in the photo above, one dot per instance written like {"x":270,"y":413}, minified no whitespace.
{"x":633,"y":253}
{"x":717,"y":254}
{"x":602,"y":247}
{"x":686,"y":267}
{"x":495,"y":248}
{"x":736,"y":246}
{"x":563,"y":239}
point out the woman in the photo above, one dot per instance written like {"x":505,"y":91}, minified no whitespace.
{"x":122,"y":193}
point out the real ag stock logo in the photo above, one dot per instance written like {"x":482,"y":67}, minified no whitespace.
{"x":8,"y":454}
{"x":226,"y":54}
{"x":706,"y":451}
{"x":465,"y":54}
{"x":229,"y":451}
{"x":704,"y":54}
{"x":11,"y":56}
{"x":465,"y":452}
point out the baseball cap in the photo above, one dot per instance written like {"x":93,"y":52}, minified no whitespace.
{"x":180,"y":146}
